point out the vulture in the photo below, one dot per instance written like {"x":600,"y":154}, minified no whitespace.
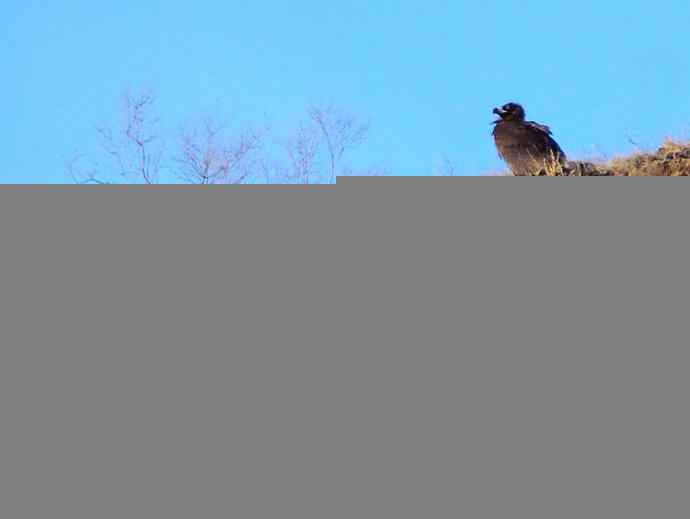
{"x":527,"y":147}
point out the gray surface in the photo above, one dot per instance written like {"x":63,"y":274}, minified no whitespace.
{"x":480,"y":348}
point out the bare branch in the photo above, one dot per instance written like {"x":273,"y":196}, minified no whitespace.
{"x":209,"y":152}
{"x":302,"y":149}
{"x":133,"y":148}
{"x":340,"y":131}
{"x":206,"y":156}
{"x":80,"y":173}
{"x":447,"y":168}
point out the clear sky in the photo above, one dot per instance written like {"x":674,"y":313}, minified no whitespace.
{"x":427,"y":73}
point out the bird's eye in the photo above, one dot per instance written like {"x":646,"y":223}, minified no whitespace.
{"x":507,"y":108}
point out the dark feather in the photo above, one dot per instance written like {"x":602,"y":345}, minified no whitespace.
{"x":526,"y":146}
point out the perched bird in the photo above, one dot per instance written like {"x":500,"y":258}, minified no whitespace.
{"x":526,"y":146}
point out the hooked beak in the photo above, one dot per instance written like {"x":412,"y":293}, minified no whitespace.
{"x":499,"y":111}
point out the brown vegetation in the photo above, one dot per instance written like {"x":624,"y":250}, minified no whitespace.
{"x":672,"y":159}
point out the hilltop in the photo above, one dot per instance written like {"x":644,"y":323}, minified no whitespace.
{"x":672,"y":159}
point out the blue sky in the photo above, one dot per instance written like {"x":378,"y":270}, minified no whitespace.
{"x":427,"y":73}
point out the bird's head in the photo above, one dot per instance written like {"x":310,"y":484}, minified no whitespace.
{"x":510,"y":112}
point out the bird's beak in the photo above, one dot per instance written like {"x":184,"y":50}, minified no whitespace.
{"x":499,"y":111}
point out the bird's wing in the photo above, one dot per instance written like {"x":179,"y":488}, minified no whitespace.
{"x":547,"y":144}
{"x":539,"y":127}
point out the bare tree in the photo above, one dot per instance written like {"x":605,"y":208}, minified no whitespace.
{"x":133,"y":148}
{"x":341,"y":132}
{"x":208,"y":152}
{"x":302,"y":150}
{"x":316,"y":151}
{"x":206,"y":156}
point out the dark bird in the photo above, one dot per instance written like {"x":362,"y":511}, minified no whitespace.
{"x":526,"y":146}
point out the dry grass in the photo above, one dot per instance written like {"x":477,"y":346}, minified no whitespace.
{"x":672,"y":159}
